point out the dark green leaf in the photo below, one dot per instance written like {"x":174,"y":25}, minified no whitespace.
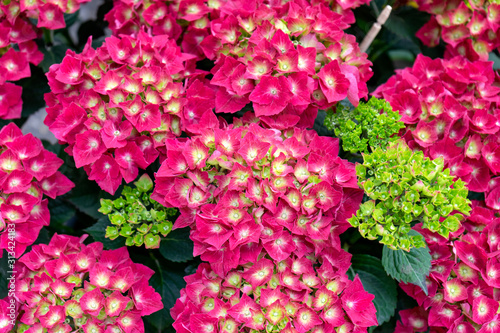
{"x":34,"y":87}
{"x":60,"y":212}
{"x":168,"y":282}
{"x":98,"y":230}
{"x":408,"y":267}
{"x":70,"y":19}
{"x":177,"y":246}
{"x":53,"y":55}
{"x":86,"y":198}
{"x":376,"y":282}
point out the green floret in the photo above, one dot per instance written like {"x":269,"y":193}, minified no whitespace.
{"x":371,"y":124}
{"x":405,"y":188}
{"x":137,"y":217}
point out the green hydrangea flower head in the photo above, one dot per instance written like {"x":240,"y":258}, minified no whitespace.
{"x":371,"y":124}
{"x":404,"y":188}
{"x":137,"y":217}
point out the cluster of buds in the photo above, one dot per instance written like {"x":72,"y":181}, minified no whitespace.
{"x":406,"y":187}
{"x":67,"y":286}
{"x":287,"y":61}
{"x":116,"y":105}
{"x":295,"y":295}
{"x":469,"y":29}
{"x":451,"y":109}
{"x":137,"y":217}
{"x":245,"y":188}
{"x":371,"y":124}
{"x":27,"y":173}
{"x":464,"y":280}
{"x":18,"y":48}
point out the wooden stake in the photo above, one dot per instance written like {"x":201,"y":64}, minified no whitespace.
{"x":374,"y":30}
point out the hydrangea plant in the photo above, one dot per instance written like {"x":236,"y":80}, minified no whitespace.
{"x":137,"y":217}
{"x":405,"y":187}
{"x":370,"y":124}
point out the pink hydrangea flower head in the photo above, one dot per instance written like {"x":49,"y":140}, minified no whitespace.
{"x":116,"y":106}
{"x":88,"y":284}
{"x":249,"y":189}
{"x":29,"y":174}
{"x":18,"y":32}
{"x":467,"y":30}
{"x":292,"y":295}
{"x":293,"y":63}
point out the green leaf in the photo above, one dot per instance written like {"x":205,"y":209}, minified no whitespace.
{"x":34,"y":88}
{"x":71,"y":19}
{"x":60,"y":213}
{"x":177,"y":246}
{"x":86,"y":198}
{"x":98,"y":232}
{"x":376,"y":282}
{"x":53,"y":55}
{"x":168,"y":282}
{"x":408,"y":267}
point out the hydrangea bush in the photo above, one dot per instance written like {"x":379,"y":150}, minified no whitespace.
{"x":264,"y":190}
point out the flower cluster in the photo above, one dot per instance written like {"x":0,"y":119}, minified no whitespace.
{"x":406,"y":187}
{"x":186,"y":21}
{"x":245,"y":188}
{"x":27,"y":173}
{"x":18,"y":48}
{"x":463,"y":282}
{"x":287,"y":61}
{"x":451,"y":109}
{"x":371,"y":124}
{"x":189,"y":20}
{"x":137,"y":217}
{"x":295,"y":295}
{"x":469,"y":29}
{"x":116,"y":105}
{"x":67,"y":286}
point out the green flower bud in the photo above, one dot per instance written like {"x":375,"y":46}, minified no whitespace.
{"x":112,"y":233}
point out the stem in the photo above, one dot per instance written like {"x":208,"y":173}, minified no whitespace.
{"x":48,"y":37}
